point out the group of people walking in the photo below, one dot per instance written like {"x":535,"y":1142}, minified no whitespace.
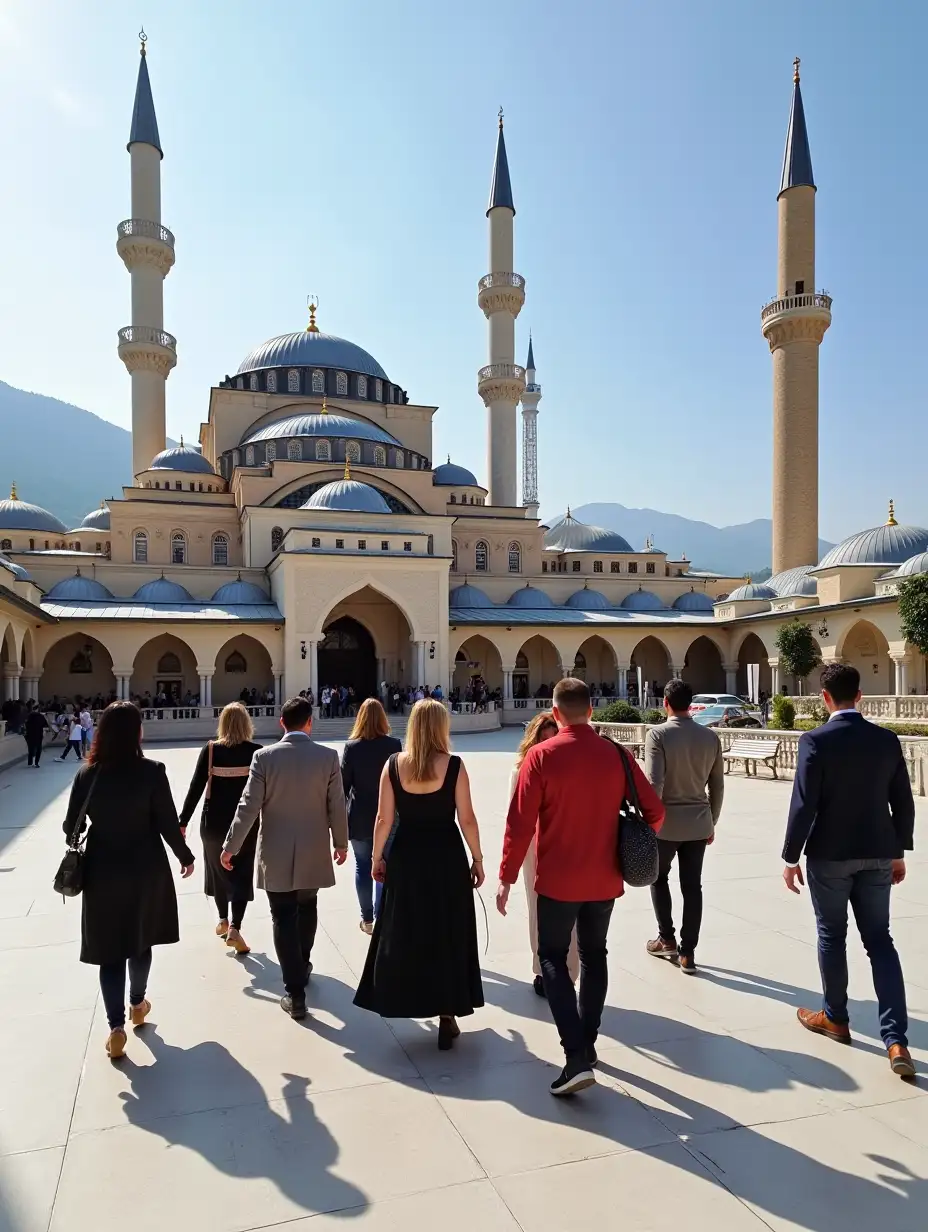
{"x":287,"y":813}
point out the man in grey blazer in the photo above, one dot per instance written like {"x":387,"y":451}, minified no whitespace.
{"x":683,"y":762}
{"x":296,"y":787}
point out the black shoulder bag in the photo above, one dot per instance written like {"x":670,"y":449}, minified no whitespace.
{"x":69,"y":880}
{"x":637,"y":843}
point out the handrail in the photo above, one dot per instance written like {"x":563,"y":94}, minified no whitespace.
{"x":145,"y":229}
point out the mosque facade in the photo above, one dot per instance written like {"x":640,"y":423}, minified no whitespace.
{"x":311,"y":537}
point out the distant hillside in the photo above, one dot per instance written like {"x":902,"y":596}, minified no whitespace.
{"x":733,"y":550}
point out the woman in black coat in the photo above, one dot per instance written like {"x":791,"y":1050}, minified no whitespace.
{"x":129,"y":901}
{"x":369,"y":748}
{"x":222,"y":770}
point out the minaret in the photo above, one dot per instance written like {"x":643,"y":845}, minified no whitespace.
{"x":531,"y":396}
{"x":147,"y":248}
{"x":501,"y":294}
{"x":794,"y":325}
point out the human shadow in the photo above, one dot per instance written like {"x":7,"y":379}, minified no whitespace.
{"x":282,"y":1141}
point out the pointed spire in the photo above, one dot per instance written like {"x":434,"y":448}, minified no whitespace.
{"x":501,"y":188}
{"x":144,"y":125}
{"x":530,"y":362}
{"x":797,"y":158}
{"x":347,"y":468}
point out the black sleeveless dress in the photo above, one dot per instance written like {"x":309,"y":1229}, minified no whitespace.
{"x":423,"y":959}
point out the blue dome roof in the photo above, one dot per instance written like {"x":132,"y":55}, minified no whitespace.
{"x":528,"y":596}
{"x":642,"y":601}
{"x":884,"y":545}
{"x":693,"y":601}
{"x":241,"y":592}
{"x":311,"y":349}
{"x":349,"y":495}
{"x":97,"y":519}
{"x":793,"y":582}
{"x":569,"y":535}
{"x":587,"y":600}
{"x":78,"y":587}
{"x":161,"y":590}
{"x":181,"y":458}
{"x":331,"y":426}
{"x":21,"y":574}
{"x":908,"y":568}
{"x":450,"y":475}
{"x":753,"y":590}
{"x":20,"y":515}
{"x":469,"y":596}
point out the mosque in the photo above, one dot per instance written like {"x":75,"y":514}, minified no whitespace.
{"x":311,"y":537}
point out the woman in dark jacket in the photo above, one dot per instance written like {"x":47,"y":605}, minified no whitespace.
{"x":129,"y":901}
{"x":222,"y":769}
{"x":369,"y":748}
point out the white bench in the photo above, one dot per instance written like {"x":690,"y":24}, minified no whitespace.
{"x":754,"y":751}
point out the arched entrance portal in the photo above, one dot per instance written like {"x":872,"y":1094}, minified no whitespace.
{"x":347,"y":656}
{"x":703,"y":670}
{"x":753,"y":651}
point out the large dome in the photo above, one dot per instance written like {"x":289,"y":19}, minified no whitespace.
{"x":348,"y":495}
{"x":587,"y":600}
{"x":97,"y":519}
{"x":450,"y":475}
{"x":20,"y":515}
{"x":469,"y":596}
{"x":162,"y":590}
{"x":529,"y":596}
{"x":890,"y":544}
{"x":753,"y":590}
{"x":642,"y":601}
{"x":78,"y":588}
{"x":792,"y":582}
{"x":693,"y":601}
{"x":240,"y":592}
{"x":308,"y":349}
{"x":181,"y":458}
{"x":569,"y":535}
{"x":330,"y":426}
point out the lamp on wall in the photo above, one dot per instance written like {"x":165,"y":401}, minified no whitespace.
{"x":823,"y":629}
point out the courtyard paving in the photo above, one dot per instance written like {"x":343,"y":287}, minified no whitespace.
{"x":713,"y":1109}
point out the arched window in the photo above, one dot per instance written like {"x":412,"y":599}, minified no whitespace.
{"x":318,"y":381}
{"x":380,"y":455}
{"x":293,"y":381}
{"x":6,"y":545}
{"x":82,"y":663}
{"x":32,"y":546}
{"x":400,"y":458}
{"x":341,"y":384}
{"x":140,"y":548}
{"x":522,"y":661}
{"x":236,"y":664}
{"x":414,"y":459}
{"x":239,"y":383}
{"x":236,"y":458}
{"x":323,"y":451}
{"x":515,"y":558}
{"x":169,"y":664}
{"x":579,"y":662}
{"x":77,"y":546}
{"x":220,"y":549}
{"x":378,"y":390}
{"x":454,"y":555}
{"x":353,"y":451}
{"x":294,"y":451}
{"x":362,"y":386}
{"x":270,"y":452}
{"x":272,"y":382}
{"x":253,"y":382}
{"x":277,"y":537}
{"x":178,"y":548}
{"x":453,"y":499}
{"x":250,"y":455}
{"x":481,"y":557}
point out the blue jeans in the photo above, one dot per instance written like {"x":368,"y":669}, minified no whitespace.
{"x":368,"y":890}
{"x":113,"y":986}
{"x":866,"y":885}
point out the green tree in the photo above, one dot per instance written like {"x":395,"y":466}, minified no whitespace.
{"x":913,"y":610}
{"x":784,"y":713}
{"x":799,"y":653}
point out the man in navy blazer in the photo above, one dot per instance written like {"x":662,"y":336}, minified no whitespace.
{"x":852,"y":812}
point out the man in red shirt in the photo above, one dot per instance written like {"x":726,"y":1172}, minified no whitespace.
{"x":570,"y":790}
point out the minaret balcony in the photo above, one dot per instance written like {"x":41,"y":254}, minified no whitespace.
{"x":501,"y":383}
{"x":142,"y":242}
{"x":144,"y":348}
{"x":796,"y":318}
{"x":501,"y":292}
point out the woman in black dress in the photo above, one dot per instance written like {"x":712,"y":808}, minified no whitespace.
{"x":423,"y":961}
{"x":222,"y":770}
{"x":129,"y":901}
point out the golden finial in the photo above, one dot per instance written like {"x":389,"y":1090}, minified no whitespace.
{"x":312,"y":303}
{"x":891,"y":520}
{"x":143,"y":39}
{"x":568,"y":511}
{"x":501,"y":118}
{"x":325,"y":409}
{"x":103,"y":504}
{"x":182,"y":440}
{"x":796,"y":71}
{"x":449,"y":459}
{"x":347,"y":467}
{"x":13,"y":495}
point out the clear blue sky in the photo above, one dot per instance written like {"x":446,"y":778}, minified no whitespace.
{"x":345,"y":149}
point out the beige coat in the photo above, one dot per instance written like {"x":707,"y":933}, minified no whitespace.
{"x":683,"y":762}
{"x":296,"y":787}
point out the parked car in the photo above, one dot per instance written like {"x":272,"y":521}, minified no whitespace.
{"x":726,"y":716}
{"x":701,"y":700}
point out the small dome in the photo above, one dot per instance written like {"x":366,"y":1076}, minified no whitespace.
{"x":21,"y":574}
{"x":240,"y":592}
{"x":792,"y":582}
{"x":312,"y":349}
{"x":908,"y":568}
{"x":642,"y":601}
{"x":98,"y":519}
{"x":450,"y":475}
{"x":161,"y":590}
{"x":753,"y":590}
{"x":569,"y":535}
{"x":181,"y":458}
{"x":890,"y":544}
{"x":528,"y":596}
{"x":78,"y":587}
{"x":349,"y":495}
{"x":693,"y":601}
{"x":469,"y":596}
{"x":333,"y":427}
{"x":20,"y":515}
{"x":587,"y":600}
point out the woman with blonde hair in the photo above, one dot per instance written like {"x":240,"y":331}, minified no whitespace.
{"x":423,"y":961}
{"x":369,"y":747}
{"x":222,"y":770}
{"x":541,"y":728}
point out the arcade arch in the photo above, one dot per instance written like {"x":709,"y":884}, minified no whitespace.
{"x":702,"y":667}
{"x":753,"y":650}
{"x":477,"y":656}
{"x":652,"y":656}
{"x":77,"y":665}
{"x":165,"y":664}
{"x":241,"y":663}
{"x":538,"y":664}
{"x":595,"y":662}
{"x":867,"y":649}
{"x":367,"y":638}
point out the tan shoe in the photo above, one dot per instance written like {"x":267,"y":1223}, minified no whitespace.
{"x":901,"y":1061}
{"x":235,"y":939}
{"x":222,"y":929}
{"x":819,"y":1022}
{"x":138,"y":1013}
{"x":116,"y":1044}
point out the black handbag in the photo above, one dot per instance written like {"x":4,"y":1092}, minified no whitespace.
{"x":637,"y":842}
{"x":69,"y":880}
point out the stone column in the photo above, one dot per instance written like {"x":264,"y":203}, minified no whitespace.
{"x":774,"y":676}
{"x":901,"y":664}
{"x":313,"y":660}
{"x":420,"y":663}
{"x":507,"y":684}
{"x":278,"y":689}
{"x":622,"y":682}
{"x":731,"y":677}
{"x":203,"y":680}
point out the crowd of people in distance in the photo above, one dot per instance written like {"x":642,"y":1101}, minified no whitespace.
{"x":285,"y":816}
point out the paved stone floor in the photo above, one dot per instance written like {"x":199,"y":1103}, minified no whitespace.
{"x":714,"y":1110}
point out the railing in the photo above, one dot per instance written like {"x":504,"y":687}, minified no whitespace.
{"x":145,"y":229}
{"x":493,"y":372}
{"x":906,"y":707}
{"x":148,"y":336}
{"x":816,"y":299}
{"x":532,"y":388}
{"x":473,"y":707}
{"x":489,"y":281}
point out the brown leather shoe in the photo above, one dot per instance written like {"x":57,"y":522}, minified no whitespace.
{"x":901,"y":1061}
{"x":659,"y":948}
{"x":819,"y":1022}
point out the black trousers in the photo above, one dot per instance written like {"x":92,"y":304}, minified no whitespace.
{"x":690,"y":856}
{"x":294,"y":913}
{"x":34,"y":750}
{"x":577,"y":1017}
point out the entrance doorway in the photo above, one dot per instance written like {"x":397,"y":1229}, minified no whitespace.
{"x":347,"y":657}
